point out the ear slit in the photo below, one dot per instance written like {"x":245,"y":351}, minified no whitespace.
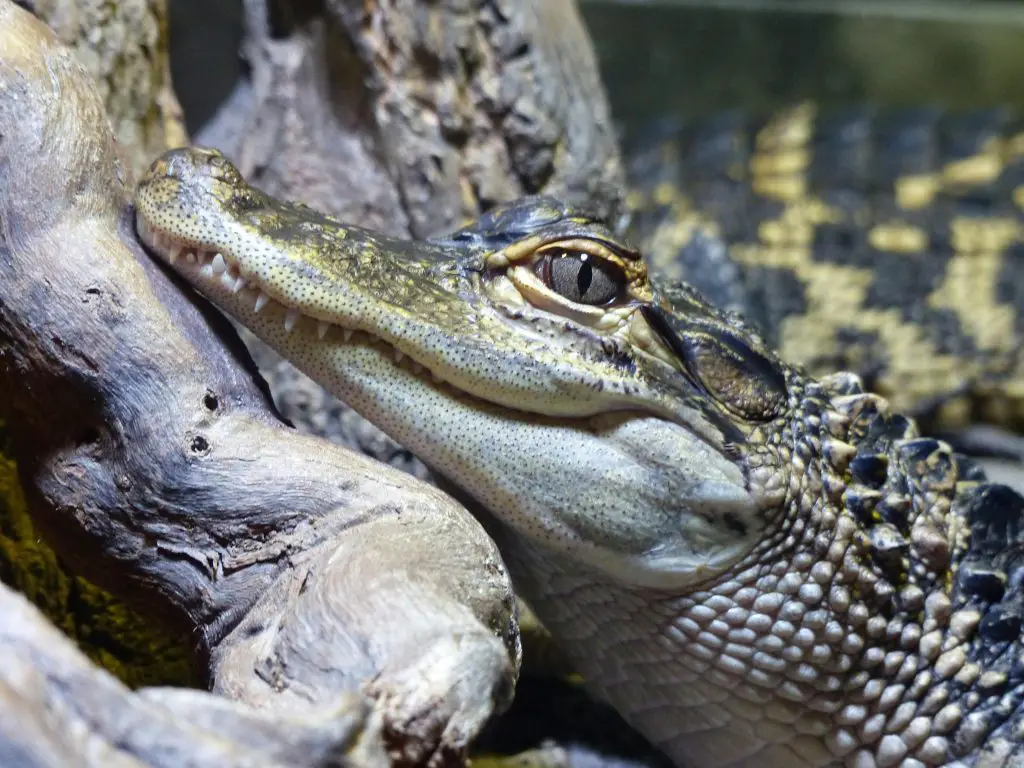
{"x":660,"y":322}
{"x":743,"y":380}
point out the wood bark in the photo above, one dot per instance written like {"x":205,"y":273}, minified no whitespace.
{"x":155,"y":466}
{"x":124,"y":48}
{"x":313,"y":584}
{"x":57,"y":709}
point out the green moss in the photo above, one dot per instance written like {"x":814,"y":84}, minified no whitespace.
{"x":111,"y":634}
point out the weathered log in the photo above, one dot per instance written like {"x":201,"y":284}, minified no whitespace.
{"x":57,"y":709}
{"x":124,"y":48}
{"x":155,"y":465}
{"x":432,"y":111}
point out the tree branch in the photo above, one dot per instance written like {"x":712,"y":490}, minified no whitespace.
{"x":155,"y":465}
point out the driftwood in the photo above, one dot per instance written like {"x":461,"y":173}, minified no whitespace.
{"x":123,"y":46}
{"x":155,"y":466}
{"x":316,"y":585}
{"x":56,"y":709}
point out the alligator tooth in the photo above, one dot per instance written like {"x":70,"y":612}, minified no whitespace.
{"x":321,"y":328}
{"x":261,"y":301}
{"x":239,"y":284}
{"x":398,"y":355}
{"x":173,"y":252}
{"x":346,"y":333}
{"x":206,"y":271}
{"x":291,"y":317}
{"x":190,"y":257}
{"x":218,"y":264}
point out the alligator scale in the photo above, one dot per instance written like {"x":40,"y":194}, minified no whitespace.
{"x":754,"y":566}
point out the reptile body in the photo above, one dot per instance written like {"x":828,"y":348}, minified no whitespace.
{"x":754,"y":566}
{"x":887,"y":243}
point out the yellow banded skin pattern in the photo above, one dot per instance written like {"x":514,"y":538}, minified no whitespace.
{"x":888,"y":243}
{"x":756,"y":567}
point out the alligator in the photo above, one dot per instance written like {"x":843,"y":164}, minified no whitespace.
{"x":753,"y":565}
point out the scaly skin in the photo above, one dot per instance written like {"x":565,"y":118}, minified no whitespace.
{"x":886,"y":242}
{"x":756,"y":568}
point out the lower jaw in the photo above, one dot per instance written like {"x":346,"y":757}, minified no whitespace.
{"x":510,"y":461}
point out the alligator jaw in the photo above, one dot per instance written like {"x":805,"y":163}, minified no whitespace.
{"x":443,"y":425}
{"x":532,"y":406}
{"x":220,"y":277}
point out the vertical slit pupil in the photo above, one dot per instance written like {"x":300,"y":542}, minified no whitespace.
{"x":584,"y":276}
{"x":581,"y":277}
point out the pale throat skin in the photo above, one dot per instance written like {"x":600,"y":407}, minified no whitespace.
{"x":699,"y":525}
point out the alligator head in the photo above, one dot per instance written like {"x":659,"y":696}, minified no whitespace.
{"x":733,"y":553}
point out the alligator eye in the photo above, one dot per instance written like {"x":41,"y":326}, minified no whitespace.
{"x":742,"y":380}
{"x":581,"y":277}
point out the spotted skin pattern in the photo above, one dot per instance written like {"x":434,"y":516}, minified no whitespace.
{"x":755,"y":566}
{"x":888,"y":243}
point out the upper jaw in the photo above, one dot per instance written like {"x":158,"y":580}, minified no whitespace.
{"x":520,"y":377}
{"x":221,"y":277}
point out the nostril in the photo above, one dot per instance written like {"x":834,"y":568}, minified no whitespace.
{"x":176,"y":168}
{"x":211,"y":401}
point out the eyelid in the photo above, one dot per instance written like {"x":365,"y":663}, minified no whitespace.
{"x":529,"y":250}
{"x":542,"y":297}
{"x":581,"y":245}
